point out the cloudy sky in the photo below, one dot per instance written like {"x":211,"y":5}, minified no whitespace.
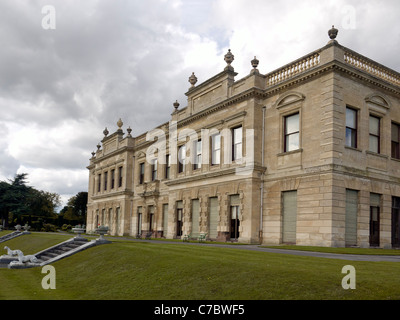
{"x":69,"y":71}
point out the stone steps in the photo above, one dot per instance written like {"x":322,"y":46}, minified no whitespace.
{"x":60,"y":250}
{"x":12,"y":235}
{"x":54,"y":253}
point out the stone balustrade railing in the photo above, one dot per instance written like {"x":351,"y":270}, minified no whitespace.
{"x":293,"y":69}
{"x":372,"y":67}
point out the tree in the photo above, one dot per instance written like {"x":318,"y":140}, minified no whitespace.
{"x":19,"y":199}
{"x":79,"y":204}
{"x":43,"y":203}
{"x":4,"y":189}
{"x":76,"y":207}
{"x":13,"y":197}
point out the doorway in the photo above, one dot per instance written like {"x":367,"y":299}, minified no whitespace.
{"x":179,"y":214}
{"x":235,"y":222}
{"x":374,"y":227}
{"x":374,"y":219}
{"x":396,"y":222}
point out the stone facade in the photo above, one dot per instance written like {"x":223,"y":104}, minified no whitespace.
{"x":306,"y":154}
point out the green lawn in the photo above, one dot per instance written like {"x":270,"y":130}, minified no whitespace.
{"x":362,"y":251}
{"x":171,"y":271}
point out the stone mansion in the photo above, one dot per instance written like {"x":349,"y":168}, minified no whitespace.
{"x":308,"y":154}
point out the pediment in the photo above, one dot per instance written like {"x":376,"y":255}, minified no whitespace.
{"x":289,"y":98}
{"x":141,"y":154}
{"x":378,"y":103}
{"x":379,"y":100}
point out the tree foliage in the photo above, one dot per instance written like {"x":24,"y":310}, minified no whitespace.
{"x":76,"y":207}
{"x":17,"y":198}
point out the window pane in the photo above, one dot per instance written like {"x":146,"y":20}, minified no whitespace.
{"x":395,"y":132}
{"x":216,"y":146}
{"x":292,"y":124}
{"x":216,"y":141}
{"x":351,"y":118}
{"x":395,"y":150}
{"x":237,"y":135}
{"x":374,"y":125}
{"x":216,"y":156}
{"x":198,"y":147}
{"x":351,"y":138}
{"x":182,"y":154}
{"x":237,"y":152}
{"x":373,"y":144}
{"x":292,"y":142}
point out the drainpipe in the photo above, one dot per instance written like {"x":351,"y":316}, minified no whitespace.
{"x":262,"y":174}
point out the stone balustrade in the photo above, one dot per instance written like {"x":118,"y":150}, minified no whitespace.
{"x":371,"y":67}
{"x":293,"y":69}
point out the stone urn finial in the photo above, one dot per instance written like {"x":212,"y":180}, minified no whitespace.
{"x":192,"y":79}
{"x":129,"y":131}
{"x":176,"y":105}
{"x":333,"y":33}
{"x":120,"y":123}
{"x":255,"y":62}
{"x":229,"y":57}
{"x":105,"y":132}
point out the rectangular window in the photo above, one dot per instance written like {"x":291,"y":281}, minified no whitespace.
{"x":141,"y":173}
{"x":179,"y":218}
{"x":213,"y":218}
{"x":395,"y":141}
{"x":292,"y":132}
{"x":165,"y":220}
{"x":195,"y":218}
{"x":374,"y":221}
{"x":215,"y":149}
{"x":351,"y":128}
{"x":120,"y":177}
{"x":105,"y":180}
{"x":112,"y":178}
{"x":197,"y":155}
{"x":395,"y":222}
{"x":139,"y":221}
{"x":351,"y":217}
{"x":181,"y":158}
{"x":99,"y":183}
{"x":374,"y":134}
{"x":235,"y":216}
{"x":237,"y":143}
{"x":289,"y":219}
{"x":151,"y":219}
{"x":154,"y":170}
{"x":167,"y":166}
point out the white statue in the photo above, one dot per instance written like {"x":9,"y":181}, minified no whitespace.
{"x":12,"y":252}
{"x":29,"y":258}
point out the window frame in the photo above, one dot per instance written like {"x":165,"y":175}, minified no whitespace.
{"x":167,"y":166}
{"x":141,"y":172}
{"x":120,"y":176}
{"x":197,"y":156}
{"x":237,"y":143}
{"x":286,"y":134}
{"x":99,"y":182}
{"x":352,"y":130}
{"x":182,"y":158}
{"x":395,"y":151}
{"x":112,"y":179}
{"x":105,"y":180}
{"x":154,"y":168}
{"x":378,"y":136}
{"x":215,"y":161}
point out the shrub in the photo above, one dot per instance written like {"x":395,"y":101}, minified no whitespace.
{"x":48,"y":227}
{"x":66,"y":227}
